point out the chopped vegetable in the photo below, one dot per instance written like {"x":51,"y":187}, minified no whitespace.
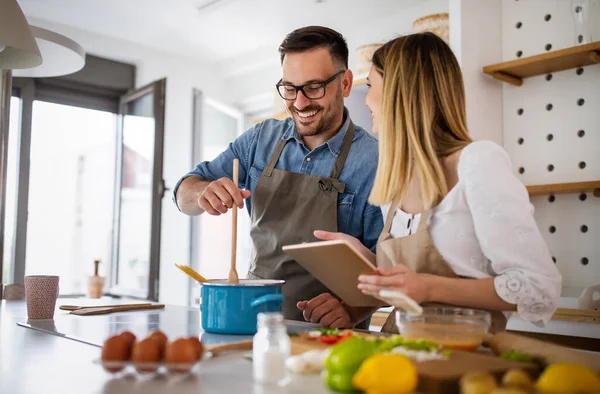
{"x":516,"y":356}
{"x":329,"y":339}
{"x":386,"y":344}
{"x":310,"y":362}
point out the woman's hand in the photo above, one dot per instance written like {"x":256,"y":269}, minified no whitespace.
{"x":355,"y":243}
{"x":400,"y":278}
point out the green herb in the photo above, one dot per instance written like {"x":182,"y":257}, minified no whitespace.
{"x":516,"y":356}
{"x":248,"y":356}
{"x":447,"y":352}
{"x":293,"y":334}
{"x":393,"y":341}
{"x":328,"y":331}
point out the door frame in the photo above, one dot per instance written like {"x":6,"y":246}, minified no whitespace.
{"x":158,"y":91}
{"x":199,"y":103}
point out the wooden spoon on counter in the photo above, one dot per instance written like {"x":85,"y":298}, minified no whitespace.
{"x":77,"y":307}
{"x":233,"y":276}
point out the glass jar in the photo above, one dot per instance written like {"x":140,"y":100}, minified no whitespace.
{"x":270,"y":349}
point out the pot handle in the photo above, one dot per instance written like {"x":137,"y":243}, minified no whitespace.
{"x":267,"y":298}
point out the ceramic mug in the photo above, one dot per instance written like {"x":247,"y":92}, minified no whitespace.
{"x":41,"y":292}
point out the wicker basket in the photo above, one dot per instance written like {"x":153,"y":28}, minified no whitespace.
{"x":365,"y":54}
{"x":435,"y":23}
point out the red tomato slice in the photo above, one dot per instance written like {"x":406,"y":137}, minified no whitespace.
{"x":329,"y":339}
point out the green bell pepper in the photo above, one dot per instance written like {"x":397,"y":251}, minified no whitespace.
{"x":344,"y":360}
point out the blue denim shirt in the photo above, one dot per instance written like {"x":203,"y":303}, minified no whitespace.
{"x":254,"y":148}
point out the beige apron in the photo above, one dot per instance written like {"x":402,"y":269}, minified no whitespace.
{"x":287,"y":208}
{"x":418,"y":252}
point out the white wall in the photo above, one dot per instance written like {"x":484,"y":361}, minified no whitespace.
{"x":182,"y":75}
{"x":550,"y":135}
{"x":476,"y":40}
{"x":260,"y":81}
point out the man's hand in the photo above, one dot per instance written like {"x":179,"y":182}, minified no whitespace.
{"x":327,"y":311}
{"x":220,"y":196}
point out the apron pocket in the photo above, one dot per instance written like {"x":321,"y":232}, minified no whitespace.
{"x":344,"y":210}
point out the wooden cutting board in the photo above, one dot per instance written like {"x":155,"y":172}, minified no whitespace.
{"x":442,"y":376}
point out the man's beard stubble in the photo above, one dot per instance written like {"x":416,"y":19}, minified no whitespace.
{"x":328,"y":115}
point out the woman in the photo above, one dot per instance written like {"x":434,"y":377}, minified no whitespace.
{"x":459,"y":225}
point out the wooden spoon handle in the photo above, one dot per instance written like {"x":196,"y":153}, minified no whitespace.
{"x":105,"y":310}
{"x":242,"y":345}
{"x":233,"y":277}
{"x":77,"y":307}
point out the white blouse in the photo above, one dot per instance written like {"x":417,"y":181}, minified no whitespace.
{"x":485,"y":228}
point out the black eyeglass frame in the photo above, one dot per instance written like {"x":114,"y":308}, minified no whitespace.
{"x":301,"y":87}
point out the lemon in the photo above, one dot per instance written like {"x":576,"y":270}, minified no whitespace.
{"x":386,"y":374}
{"x":563,"y":378}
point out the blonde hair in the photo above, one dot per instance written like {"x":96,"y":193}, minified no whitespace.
{"x":422,"y":117}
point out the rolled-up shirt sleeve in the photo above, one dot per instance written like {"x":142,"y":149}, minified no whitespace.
{"x":508,"y":234}
{"x":222,"y":165}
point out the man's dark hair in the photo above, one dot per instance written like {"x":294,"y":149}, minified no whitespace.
{"x":315,"y":37}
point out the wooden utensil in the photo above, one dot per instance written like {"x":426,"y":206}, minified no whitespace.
{"x":111,"y":309}
{"x":242,"y":345}
{"x":233,"y":276}
{"x":77,"y":307}
{"x":299,"y":346}
{"x":546,"y":353}
{"x":191,"y":273}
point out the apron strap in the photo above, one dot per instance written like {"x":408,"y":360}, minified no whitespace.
{"x":341,"y":159}
{"x":274,"y":157}
{"x":423,"y":220}
{"x":390,"y":216}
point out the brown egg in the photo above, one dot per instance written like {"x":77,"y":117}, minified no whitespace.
{"x":129,"y":336}
{"x":162,"y":340}
{"x":146,"y":351}
{"x":198,"y":346}
{"x":115,"y":348}
{"x":180,"y":351}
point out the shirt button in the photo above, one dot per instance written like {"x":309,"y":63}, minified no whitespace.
{"x":308,"y":159}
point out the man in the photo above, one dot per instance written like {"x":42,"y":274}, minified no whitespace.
{"x":312,"y":171}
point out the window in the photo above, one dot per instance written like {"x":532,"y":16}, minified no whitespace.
{"x":71,"y":188}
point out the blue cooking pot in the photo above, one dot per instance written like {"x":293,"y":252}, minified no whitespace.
{"x":232,"y":309}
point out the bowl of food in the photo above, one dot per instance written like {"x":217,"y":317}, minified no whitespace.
{"x":452,"y":328}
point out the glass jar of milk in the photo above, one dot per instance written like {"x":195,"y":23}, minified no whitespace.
{"x":271,"y":347}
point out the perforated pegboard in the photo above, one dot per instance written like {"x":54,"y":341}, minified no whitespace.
{"x":552,"y":132}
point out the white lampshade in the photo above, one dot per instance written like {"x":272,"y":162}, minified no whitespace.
{"x":62,"y":56}
{"x":20,"y":48}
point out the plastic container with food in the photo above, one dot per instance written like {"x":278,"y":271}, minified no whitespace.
{"x":452,"y":328}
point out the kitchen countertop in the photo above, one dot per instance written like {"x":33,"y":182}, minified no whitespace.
{"x":34,"y":362}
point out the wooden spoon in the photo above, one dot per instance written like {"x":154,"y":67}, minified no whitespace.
{"x":233,"y":276}
{"x":77,"y":307}
{"x":242,"y":345}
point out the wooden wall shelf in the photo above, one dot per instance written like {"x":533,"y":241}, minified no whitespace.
{"x":559,"y":188}
{"x":514,"y":71}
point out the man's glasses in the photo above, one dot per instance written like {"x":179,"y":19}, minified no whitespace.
{"x":312,"y":90}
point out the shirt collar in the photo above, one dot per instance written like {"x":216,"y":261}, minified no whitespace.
{"x":334,"y":143}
